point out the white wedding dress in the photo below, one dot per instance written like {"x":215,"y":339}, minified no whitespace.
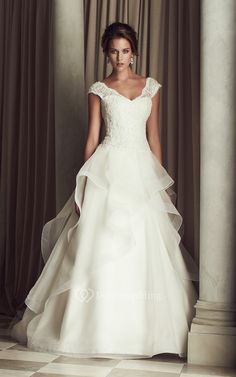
{"x":117,"y":280}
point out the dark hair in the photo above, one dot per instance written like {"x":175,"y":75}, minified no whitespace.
{"x":119,"y":30}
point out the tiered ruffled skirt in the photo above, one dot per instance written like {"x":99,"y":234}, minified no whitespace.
{"x":115,"y":282}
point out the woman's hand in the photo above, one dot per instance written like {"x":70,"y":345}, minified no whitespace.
{"x":77,"y":209}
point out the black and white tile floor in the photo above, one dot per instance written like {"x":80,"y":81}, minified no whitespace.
{"x":18,"y":361}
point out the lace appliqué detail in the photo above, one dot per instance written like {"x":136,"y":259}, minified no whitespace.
{"x":125,"y":120}
{"x":153,"y":86}
{"x":98,"y":89}
{"x":102,"y":90}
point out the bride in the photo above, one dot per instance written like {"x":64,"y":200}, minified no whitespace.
{"x":117,"y":281}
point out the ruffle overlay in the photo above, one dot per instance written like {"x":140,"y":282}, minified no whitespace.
{"x":128,"y":228}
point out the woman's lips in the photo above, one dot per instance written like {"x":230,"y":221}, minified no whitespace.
{"x":120,"y":64}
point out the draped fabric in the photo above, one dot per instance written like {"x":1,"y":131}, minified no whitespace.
{"x":27,"y":175}
{"x":41,"y":152}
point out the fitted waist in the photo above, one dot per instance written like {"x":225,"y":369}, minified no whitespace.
{"x":126,"y":143}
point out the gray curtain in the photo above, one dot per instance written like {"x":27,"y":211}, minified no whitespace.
{"x":27,"y":175}
{"x":169,"y":50}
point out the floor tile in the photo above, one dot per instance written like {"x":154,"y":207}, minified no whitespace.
{"x":27,"y":356}
{"x":75,"y":370}
{"x":139,"y":373}
{"x":21,"y":347}
{"x":38,"y":374}
{"x":149,"y":365}
{"x":14,"y":373}
{"x":17,"y":360}
{"x":21,"y":365}
{"x":191,"y":370}
{"x":100,"y":362}
{"x":4,"y":344}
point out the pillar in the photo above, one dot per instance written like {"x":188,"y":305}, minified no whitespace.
{"x":70,"y":99}
{"x":212,"y":337}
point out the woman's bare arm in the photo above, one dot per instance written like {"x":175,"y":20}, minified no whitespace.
{"x":94,"y":125}
{"x":153,"y":128}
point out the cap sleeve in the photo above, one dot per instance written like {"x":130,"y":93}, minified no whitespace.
{"x":96,"y":88}
{"x":154,"y":86}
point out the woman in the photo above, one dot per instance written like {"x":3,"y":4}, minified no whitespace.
{"x":115,"y":283}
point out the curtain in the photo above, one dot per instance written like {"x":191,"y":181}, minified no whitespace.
{"x":27,"y":168}
{"x":169,"y":50}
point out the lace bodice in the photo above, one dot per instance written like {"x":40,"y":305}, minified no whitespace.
{"x":125,"y":119}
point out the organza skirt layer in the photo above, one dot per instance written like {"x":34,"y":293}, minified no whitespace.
{"x":116,"y":282}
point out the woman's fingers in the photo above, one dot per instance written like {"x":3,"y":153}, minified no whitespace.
{"x":77,"y":209}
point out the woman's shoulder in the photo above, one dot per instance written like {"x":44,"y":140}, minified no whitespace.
{"x":108,"y":80}
{"x":152,"y":79}
{"x":149,"y":81}
{"x":152,"y":85}
{"x":97,"y":88}
{"x":94,"y":84}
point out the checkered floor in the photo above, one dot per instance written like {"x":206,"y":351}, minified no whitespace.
{"x":16,"y":360}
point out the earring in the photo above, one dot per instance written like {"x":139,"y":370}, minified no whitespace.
{"x":131,"y":60}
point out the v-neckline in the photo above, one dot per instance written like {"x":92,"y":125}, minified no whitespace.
{"x":121,"y":95}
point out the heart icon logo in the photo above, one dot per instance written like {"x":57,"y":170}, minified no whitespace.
{"x":85,"y":294}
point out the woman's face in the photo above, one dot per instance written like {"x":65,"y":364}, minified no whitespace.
{"x":120,"y":53}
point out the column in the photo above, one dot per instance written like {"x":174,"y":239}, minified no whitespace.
{"x":212,"y":337}
{"x":70,"y":99}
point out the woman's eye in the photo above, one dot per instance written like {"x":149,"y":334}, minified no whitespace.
{"x":114,"y":51}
